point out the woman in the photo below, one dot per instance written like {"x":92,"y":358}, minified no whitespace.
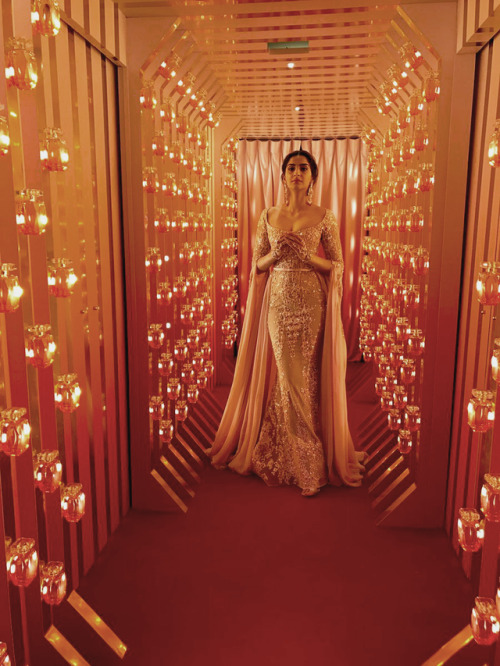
{"x":286,"y":415}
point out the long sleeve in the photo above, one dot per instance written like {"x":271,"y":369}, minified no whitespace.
{"x":262,"y":245}
{"x":330,"y":239}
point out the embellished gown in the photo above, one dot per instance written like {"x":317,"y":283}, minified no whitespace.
{"x":286,"y":415}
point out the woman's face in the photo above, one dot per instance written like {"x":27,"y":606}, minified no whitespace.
{"x":298,"y":174}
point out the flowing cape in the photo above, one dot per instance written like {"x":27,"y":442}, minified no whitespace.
{"x":254,"y":376}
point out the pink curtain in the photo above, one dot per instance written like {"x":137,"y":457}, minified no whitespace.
{"x":340,"y":187}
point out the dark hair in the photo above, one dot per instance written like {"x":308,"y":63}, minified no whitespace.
{"x":309,"y":158}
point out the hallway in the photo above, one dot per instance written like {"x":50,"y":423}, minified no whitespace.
{"x":257,"y":575}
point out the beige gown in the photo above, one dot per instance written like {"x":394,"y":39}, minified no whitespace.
{"x":286,"y":416}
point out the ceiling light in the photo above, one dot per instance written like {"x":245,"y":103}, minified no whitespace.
{"x":291,"y":65}
{"x":297,"y":108}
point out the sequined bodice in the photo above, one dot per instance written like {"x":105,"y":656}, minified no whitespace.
{"x":289,"y":258}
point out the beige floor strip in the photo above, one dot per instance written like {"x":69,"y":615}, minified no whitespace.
{"x":97,"y":624}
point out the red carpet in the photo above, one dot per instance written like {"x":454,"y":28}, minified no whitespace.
{"x":257,"y":575}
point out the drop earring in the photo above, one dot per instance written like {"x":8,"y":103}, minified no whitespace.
{"x":286,"y":194}
{"x":309,"y":197}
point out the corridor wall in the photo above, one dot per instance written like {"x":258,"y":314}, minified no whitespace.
{"x":62,"y":327}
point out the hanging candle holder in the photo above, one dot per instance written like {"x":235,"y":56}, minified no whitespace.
{"x":481,"y":410}
{"x":181,"y":409}
{"x":180,"y":87}
{"x":31,"y":214}
{"x":4,"y":142}
{"x":431,"y":88}
{"x":159,"y":144}
{"x":416,"y":218}
{"x":188,"y":374}
{"x":173,"y":388}
{"x":46,"y":17}
{"x":150,"y":181}
{"x":202,"y":379}
{"x":209,"y":368}
{"x":484,"y":621}
{"x":169,"y":186}
{"x":166,"y":364}
{"x":426,"y":178}
{"x":420,"y":139}
{"x":192,"y":393}
{"x":198,"y":361}
{"x":470,"y":529}
{"x":420,"y":261}
{"x":488,"y":283}
{"x":412,"y":181}
{"x":10,"y":289}
{"x":153,"y":260}
{"x":411,"y":56}
{"x":412,"y":296}
{"x":164,"y":294}
{"x":47,"y":471}
{"x":415,"y":343}
{"x":167,"y":112}
{"x":52,"y":582}
{"x":67,"y":393}
{"x":405,"y":442}
{"x":170,"y":66}
{"x":156,"y":407}
{"x":15,"y":431}
{"x":193,"y":339}
{"x":495,"y":361}
{"x":4,"y":655}
{"x":162,"y":221}
{"x":22,"y":562}
{"x":61,"y":278}
{"x":147,"y":98}
{"x":494,"y":146}
{"x":156,"y":336}
{"x":408,"y":371}
{"x":396,"y":356}
{"x":416,"y":105}
{"x":386,"y":401}
{"x":166,"y":431}
{"x":181,"y":123}
{"x":412,"y":418}
{"x":399,"y":396}
{"x":394,"y":419}
{"x":380,"y":385}
{"x":72,"y":502}
{"x":20,"y":64}
{"x":40,"y":347}
{"x":54,"y":154}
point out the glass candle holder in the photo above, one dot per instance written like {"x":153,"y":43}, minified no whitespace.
{"x":470,"y":530}
{"x":167,"y":112}
{"x":494,"y":146}
{"x":153,"y":260}
{"x":405,"y":441}
{"x":416,"y":219}
{"x":54,"y":154}
{"x":10,"y":289}
{"x":22,"y":562}
{"x":209,"y":368}
{"x":164,"y":294}
{"x":193,"y":339}
{"x":402,"y":329}
{"x":412,"y":57}
{"x":52,"y":582}
{"x":420,"y":139}
{"x":495,"y":361}
{"x":61,"y":278}
{"x":147,"y":98}
{"x":426,"y":178}
{"x":156,"y":336}
{"x":170,"y":66}
{"x":15,"y":431}
{"x":173,"y":388}
{"x":490,"y":497}
{"x":169,"y":186}
{"x":150,"y":180}
{"x":380,"y":385}
{"x":404,"y":118}
{"x":67,"y":393}
{"x":156,"y":407}
{"x":20,"y":64}
{"x":46,"y":17}
{"x":166,"y":431}
{"x":431,"y":88}
{"x":488,"y":283}
{"x":40,"y":347}
{"x":400,"y":397}
{"x":31,"y":214}
{"x":386,"y":401}
{"x":166,"y":364}
{"x":72,"y":502}
{"x":415,"y":343}
{"x":181,"y":410}
{"x":481,"y":410}
{"x":394,"y":419}
{"x":412,"y":418}
{"x":198,"y":361}
{"x":416,"y":105}
{"x":47,"y":471}
{"x":420,"y":261}
{"x":484,"y":622}
{"x":159,"y":144}
{"x":4,"y":142}
{"x":192,"y":393}
{"x":4,"y":655}
{"x":408,"y":371}
{"x":188,"y":374}
{"x":396,"y":356}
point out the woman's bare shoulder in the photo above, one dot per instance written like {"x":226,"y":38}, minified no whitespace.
{"x":272,"y":214}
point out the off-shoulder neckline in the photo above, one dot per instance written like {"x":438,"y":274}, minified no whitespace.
{"x":311,"y":226}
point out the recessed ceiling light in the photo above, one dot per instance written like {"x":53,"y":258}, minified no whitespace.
{"x":297,"y":108}
{"x":291,"y":65}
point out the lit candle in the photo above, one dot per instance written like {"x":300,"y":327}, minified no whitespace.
{"x":470,"y":530}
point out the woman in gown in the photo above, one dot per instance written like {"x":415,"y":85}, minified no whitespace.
{"x":286,"y":415}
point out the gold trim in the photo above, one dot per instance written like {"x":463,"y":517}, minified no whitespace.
{"x":97,"y":624}
{"x":173,"y":495}
{"x":64,"y":647}
{"x":450,"y":648}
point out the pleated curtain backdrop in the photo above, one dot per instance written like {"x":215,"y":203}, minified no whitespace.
{"x":340,"y":187}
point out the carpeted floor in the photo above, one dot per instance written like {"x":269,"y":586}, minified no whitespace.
{"x":257,"y":575}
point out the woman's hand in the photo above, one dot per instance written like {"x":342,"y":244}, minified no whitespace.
{"x":279,"y":248}
{"x":299,"y":246}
